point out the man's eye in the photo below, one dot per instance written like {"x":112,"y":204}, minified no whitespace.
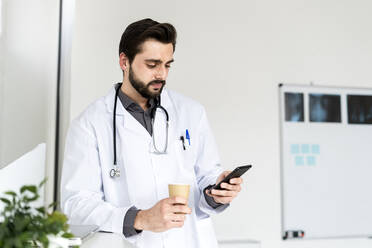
{"x":151,"y":65}
{"x":168,"y":66}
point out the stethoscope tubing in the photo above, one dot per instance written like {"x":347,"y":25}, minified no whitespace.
{"x":115,"y":172}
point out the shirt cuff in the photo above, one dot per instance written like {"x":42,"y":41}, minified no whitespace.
{"x":128,"y":223}
{"x":211,"y":202}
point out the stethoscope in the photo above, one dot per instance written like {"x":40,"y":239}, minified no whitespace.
{"x":115,"y":171}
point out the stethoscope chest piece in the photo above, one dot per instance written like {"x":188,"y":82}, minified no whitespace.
{"x":115,"y":172}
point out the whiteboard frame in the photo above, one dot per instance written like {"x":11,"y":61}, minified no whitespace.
{"x":306,"y":120}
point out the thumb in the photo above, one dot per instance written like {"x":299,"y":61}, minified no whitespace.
{"x":223,"y":175}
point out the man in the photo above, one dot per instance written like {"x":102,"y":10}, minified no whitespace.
{"x":150,"y":156}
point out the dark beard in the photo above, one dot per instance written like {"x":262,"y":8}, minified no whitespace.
{"x":142,"y":88}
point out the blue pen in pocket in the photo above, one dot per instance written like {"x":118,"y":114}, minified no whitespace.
{"x":188,"y":136}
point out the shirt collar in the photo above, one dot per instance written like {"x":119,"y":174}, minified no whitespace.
{"x":128,"y":103}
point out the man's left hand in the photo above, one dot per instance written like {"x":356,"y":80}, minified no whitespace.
{"x":229,"y":190}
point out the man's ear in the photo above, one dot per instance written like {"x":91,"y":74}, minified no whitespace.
{"x":123,"y":61}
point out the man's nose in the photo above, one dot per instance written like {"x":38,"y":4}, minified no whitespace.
{"x":161,"y":73}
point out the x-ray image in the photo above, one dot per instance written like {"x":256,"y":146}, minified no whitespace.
{"x":359,"y":109}
{"x":294,"y":107}
{"x":325,"y":108}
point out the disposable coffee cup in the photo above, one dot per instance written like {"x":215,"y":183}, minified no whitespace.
{"x":181,"y":190}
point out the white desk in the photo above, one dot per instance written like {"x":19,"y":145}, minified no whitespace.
{"x":326,"y":243}
{"x":238,"y":244}
{"x":108,"y":240}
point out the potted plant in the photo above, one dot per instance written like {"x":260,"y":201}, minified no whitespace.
{"x":22,"y":225}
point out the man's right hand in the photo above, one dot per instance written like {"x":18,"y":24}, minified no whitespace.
{"x":164,"y":215}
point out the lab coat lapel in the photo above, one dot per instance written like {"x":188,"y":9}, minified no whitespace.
{"x":110,"y":101}
{"x":127,"y":120}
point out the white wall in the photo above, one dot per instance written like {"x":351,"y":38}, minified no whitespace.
{"x":230,"y":56}
{"x":28,"y":77}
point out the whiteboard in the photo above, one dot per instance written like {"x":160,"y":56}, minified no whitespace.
{"x":326,"y":161}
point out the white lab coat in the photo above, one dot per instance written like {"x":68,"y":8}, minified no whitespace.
{"x":90,"y":196}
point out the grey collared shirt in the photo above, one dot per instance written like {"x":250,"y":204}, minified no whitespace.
{"x":141,"y":115}
{"x":144,"y":117}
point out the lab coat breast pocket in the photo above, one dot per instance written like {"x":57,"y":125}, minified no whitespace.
{"x":187,"y":154}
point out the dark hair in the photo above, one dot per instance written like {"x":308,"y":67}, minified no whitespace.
{"x":138,"y":32}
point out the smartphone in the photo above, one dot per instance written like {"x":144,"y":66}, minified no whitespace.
{"x":237,"y":172}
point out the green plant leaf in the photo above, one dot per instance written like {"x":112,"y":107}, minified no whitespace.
{"x":9,"y":208}
{"x":53,"y":204}
{"x":30,"y":188}
{"x":41,"y":184}
{"x":17,"y":242}
{"x":21,"y":222}
{"x":2,"y":232}
{"x":44,"y":240}
{"x":6,"y":201}
{"x":30,"y":199}
{"x":8,"y":243}
{"x":58,"y":216}
{"x":41,"y":210}
{"x":12,"y":193}
{"x":67,"y":235}
{"x":25,"y":236}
